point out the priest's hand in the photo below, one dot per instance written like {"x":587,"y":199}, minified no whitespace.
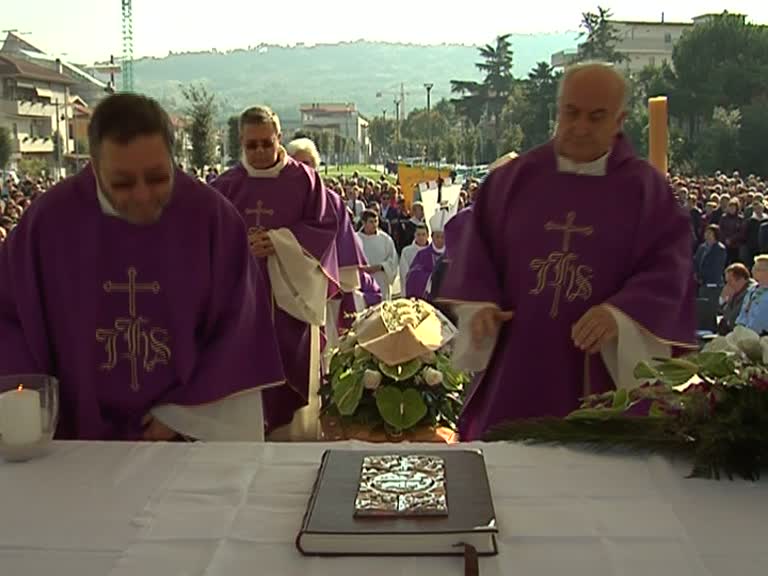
{"x":156,"y":431}
{"x":487,"y":322}
{"x":595,"y":329}
{"x":261,"y":245}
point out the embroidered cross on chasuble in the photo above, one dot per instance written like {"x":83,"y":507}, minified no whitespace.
{"x":561,"y":269}
{"x":132,"y":338}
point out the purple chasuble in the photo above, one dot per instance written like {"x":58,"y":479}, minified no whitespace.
{"x":349,"y":249}
{"x":131,"y":317}
{"x":297,"y":200}
{"x":454,"y":229}
{"x":551,"y":245}
{"x":421,"y":269}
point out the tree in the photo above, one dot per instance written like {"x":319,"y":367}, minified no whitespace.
{"x":487,"y":98}
{"x":6,"y":147}
{"x":201,"y":109}
{"x":718,"y":143}
{"x":233,"y":138}
{"x":451,"y":151}
{"x":719,"y":63}
{"x":32,"y":167}
{"x":600,"y":38}
{"x":382,"y":133}
{"x":754,"y":127}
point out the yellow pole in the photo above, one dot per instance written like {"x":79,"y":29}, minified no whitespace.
{"x":658,"y":133}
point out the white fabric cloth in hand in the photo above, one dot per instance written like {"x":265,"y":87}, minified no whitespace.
{"x":299,"y":284}
{"x":633,"y":345}
{"x":237,"y":418}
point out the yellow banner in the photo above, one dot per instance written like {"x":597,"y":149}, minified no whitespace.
{"x":412,"y":176}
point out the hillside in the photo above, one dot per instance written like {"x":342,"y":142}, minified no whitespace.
{"x":285,"y":77}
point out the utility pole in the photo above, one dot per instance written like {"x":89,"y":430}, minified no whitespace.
{"x":429,"y":87}
{"x":397,"y":127}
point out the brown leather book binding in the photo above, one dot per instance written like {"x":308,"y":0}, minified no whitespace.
{"x":332,"y":528}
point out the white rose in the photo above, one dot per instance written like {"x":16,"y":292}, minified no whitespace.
{"x":433,"y":377}
{"x":371,"y":379}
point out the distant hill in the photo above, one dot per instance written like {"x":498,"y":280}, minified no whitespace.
{"x":285,"y":77}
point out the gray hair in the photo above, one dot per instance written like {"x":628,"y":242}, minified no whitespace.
{"x":574,"y":69}
{"x":259,"y":115}
{"x":304,"y":145}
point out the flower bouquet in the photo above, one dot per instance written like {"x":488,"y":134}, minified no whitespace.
{"x":391,"y":372}
{"x":712,"y":406}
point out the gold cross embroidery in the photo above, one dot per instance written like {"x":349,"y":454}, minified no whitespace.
{"x":147,"y":344}
{"x":575,"y":279}
{"x":258,"y":211}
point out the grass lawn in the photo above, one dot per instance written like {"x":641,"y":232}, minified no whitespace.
{"x":363,"y":169}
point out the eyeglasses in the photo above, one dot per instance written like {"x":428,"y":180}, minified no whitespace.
{"x":265,"y":144}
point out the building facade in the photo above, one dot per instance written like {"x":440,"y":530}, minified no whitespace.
{"x":344,"y":121}
{"x":643,"y":43}
{"x":37,"y":109}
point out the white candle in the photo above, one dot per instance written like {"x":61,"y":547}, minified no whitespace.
{"x":20,"y":417}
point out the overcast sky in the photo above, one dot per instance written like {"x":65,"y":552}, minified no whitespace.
{"x":160,"y":26}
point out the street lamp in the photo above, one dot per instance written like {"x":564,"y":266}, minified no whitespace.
{"x":429,"y":87}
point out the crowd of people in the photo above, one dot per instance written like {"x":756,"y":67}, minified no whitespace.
{"x":729,"y":230}
{"x":16,"y":197}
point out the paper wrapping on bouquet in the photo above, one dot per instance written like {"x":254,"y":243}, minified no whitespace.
{"x":402,"y":330}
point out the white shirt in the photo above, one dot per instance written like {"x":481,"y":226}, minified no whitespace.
{"x":380,"y":251}
{"x":597,"y":167}
{"x":406,"y":259}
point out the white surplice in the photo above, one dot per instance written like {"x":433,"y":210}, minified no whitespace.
{"x":380,"y":251}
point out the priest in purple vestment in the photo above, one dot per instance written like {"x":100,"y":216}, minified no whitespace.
{"x":417,"y":284}
{"x":292,"y":227}
{"x":574,"y":266}
{"x":133,"y":285}
{"x":355,"y":286}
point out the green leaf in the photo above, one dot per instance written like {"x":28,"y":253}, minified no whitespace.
{"x":645,"y":371}
{"x":400,"y":409}
{"x":401,"y":372}
{"x":715,"y":364}
{"x":621,"y":399}
{"x":347,"y":393}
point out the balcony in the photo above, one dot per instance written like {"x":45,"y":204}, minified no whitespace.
{"x":26,"y":108}
{"x":29,"y":145}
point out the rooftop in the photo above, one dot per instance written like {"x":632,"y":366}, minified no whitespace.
{"x":329,"y":108}
{"x":20,"y":68}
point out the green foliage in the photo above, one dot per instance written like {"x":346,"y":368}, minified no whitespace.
{"x":32,"y":167}
{"x":201,"y":109}
{"x":711,"y":405}
{"x":6,"y":148}
{"x":233,"y":138}
{"x":400,"y":409}
{"x":402,"y":400}
{"x":720,"y":63}
{"x":600,"y":38}
{"x":487,"y":99}
{"x":718,"y":144}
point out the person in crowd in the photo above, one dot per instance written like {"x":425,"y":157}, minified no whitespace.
{"x":711,"y":258}
{"x":380,"y":252}
{"x":737,"y":282}
{"x":754,"y":309}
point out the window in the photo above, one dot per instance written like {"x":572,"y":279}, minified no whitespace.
{"x":668,"y":38}
{"x":652,"y":61}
